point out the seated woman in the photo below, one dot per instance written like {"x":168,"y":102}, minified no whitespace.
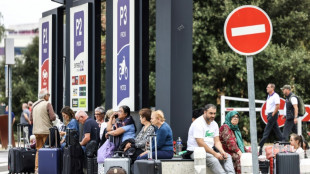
{"x":163,"y":135}
{"x":140,"y":141}
{"x":70,"y":121}
{"x":124,"y":127}
{"x":231,"y":138}
{"x":103,"y":128}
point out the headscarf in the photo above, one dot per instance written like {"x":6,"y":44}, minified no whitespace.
{"x":235,"y":128}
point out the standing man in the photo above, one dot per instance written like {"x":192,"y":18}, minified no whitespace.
{"x":272,"y":107}
{"x":25,"y":120}
{"x":90,"y":128}
{"x":41,"y":116}
{"x":291,"y":104}
{"x":204,"y":132}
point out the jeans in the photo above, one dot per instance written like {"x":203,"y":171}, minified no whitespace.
{"x":40,"y":140}
{"x":271,"y":125}
{"x":219,"y":166}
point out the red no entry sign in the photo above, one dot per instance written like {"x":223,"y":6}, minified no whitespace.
{"x":248,"y":30}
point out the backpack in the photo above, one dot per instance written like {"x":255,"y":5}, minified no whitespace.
{"x":301,"y":105}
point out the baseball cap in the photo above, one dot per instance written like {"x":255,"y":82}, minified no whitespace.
{"x":286,"y":87}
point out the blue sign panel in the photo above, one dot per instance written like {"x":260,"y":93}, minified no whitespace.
{"x":78,"y":33}
{"x":123,"y":50}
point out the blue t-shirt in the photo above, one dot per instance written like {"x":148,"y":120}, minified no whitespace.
{"x":91,"y":126}
{"x":164,"y":138}
{"x":6,"y":112}
{"x":129,"y":132}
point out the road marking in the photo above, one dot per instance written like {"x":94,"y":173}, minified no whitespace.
{"x":247,"y":30}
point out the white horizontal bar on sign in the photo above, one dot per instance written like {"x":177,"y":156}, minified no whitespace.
{"x":247,"y":30}
{"x":242,"y":99}
{"x":241,"y":109}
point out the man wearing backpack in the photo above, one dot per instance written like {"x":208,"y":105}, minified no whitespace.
{"x":291,"y":104}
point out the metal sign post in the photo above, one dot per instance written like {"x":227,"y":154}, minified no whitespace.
{"x":248,"y":31}
{"x":251,"y":94}
{"x":9,"y":61}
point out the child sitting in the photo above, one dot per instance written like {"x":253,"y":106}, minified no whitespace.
{"x":296,"y":143}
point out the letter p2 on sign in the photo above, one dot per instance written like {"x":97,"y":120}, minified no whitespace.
{"x":248,"y":30}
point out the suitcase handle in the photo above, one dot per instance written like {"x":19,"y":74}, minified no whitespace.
{"x":20,"y":127}
{"x":155,"y":145}
{"x":50,"y":142}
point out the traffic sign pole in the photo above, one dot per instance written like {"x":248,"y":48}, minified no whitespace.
{"x":248,"y":31}
{"x":251,"y":94}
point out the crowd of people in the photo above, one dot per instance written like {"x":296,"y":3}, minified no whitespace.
{"x":224,"y":145}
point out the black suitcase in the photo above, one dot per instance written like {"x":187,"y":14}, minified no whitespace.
{"x":72,"y":137}
{"x":150,"y":166}
{"x":73,"y":155}
{"x":21,"y":159}
{"x":287,"y":163}
{"x":92,"y":165}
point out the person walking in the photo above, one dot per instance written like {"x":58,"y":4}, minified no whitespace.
{"x":41,"y":117}
{"x":291,"y":104}
{"x":272,"y":109}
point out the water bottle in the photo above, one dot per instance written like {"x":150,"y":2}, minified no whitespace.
{"x":178,"y":147}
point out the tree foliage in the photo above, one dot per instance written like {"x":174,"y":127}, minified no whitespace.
{"x":24,"y":78}
{"x":219,"y":71}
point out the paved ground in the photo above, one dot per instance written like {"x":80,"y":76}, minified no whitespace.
{"x":3,"y":162}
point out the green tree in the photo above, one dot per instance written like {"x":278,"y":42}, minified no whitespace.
{"x":219,"y":71}
{"x":2,"y":29}
{"x":24,"y":78}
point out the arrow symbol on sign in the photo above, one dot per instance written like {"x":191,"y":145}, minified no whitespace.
{"x":247,"y":30}
{"x":306,"y":117}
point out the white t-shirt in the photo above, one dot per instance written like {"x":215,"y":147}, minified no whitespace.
{"x":272,"y":101}
{"x":301,"y":153}
{"x":200,"y":129}
{"x":102,"y":127}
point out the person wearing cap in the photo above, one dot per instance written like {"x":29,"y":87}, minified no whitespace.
{"x":272,"y":107}
{"x":291,"y":104}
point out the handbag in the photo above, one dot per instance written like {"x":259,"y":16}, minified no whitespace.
{"x":105,"y":151}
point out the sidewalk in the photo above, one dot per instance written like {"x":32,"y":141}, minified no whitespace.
{"x":3,"y":161}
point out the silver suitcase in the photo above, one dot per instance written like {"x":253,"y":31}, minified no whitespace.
{"x":117,"y":162}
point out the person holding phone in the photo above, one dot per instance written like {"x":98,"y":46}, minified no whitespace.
{"x":124,"y":127}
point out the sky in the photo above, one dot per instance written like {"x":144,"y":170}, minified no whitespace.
{"x":16,"y":12}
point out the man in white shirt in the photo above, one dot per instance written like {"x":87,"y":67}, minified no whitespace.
{"x":291,"y":107}
{"x":272,"y":107}
{"x":204,"y":132}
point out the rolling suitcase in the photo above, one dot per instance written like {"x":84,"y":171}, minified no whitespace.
{"x":21,"y":160}
{"x":73,"y":154}
{"x":91,"y":155}
{"x":117,"y":164}
{"x":287,"y":163}
{"x":49,"y":158}
{"x":92,"y":165}
{"x":149,"y":166}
